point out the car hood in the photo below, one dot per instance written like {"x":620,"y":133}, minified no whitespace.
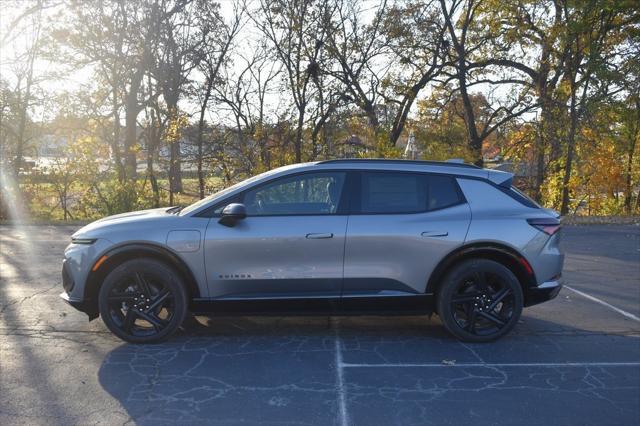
{"x":95,"y":229}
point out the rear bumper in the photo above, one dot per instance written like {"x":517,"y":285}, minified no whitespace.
{"x":545,"y":291}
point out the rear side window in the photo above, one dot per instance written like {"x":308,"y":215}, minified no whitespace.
{"x":398,"y":192}
{"x":523,"y":198}
{"x":443,"y":192}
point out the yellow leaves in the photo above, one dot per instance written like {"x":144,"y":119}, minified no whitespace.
{"x":384,"y":150}
{"x":136,"y":148}
{"x":87,"y":149}
{"x":177,"y":123}
{"x":564,"y":90}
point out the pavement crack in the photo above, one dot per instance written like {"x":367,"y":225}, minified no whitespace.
{"x":24,"y":299}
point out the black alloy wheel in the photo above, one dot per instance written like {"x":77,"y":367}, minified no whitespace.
{"x":480,"y":300}
{"x":142,"y":301}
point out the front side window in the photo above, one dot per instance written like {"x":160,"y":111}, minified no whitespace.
{"x":397,"y":192}
{"x":306,"y":194}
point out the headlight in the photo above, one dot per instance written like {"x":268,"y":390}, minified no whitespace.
{"x":83,"y":240}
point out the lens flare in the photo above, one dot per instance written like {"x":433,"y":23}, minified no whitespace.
{"x":12,"y":204}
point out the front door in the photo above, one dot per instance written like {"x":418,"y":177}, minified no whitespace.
{"x":290,"y":245}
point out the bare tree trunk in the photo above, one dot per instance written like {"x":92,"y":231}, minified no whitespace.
{"x":152,"y":144}
{"x":175,"y":170}
{"x":115,"y":143}
{"x":544,"y":135}
{"x":474,"y":140}
{"x":203,"y":109}
{"x":26,"y":99}
{"x":633,"y":137}
{"x":131,"y":123}
{"x":628,"y":187}
{"x":571,"y":140}
{"x":298,"y":141}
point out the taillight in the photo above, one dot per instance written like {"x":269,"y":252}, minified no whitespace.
{"x":547,"y":225}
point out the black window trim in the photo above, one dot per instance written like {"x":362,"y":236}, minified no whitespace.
{"x":357,"y":193}
{"x":351,"y":192}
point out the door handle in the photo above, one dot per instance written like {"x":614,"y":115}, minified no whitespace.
{"x":319,"y":236}
{"x":434,"y":234}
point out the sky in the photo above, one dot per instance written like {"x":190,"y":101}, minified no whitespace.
{"x":15,"y":39}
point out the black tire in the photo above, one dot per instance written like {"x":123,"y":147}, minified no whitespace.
{"x":143,"y":301}
{"x":479,"y":301}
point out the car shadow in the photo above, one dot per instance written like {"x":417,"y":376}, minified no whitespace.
{"x":273,"y":370}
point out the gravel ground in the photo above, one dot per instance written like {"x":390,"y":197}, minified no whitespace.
{"x":574,"y":360}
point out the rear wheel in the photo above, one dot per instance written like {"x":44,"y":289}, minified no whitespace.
{"x":480,"y":300}
{"x":142,"y":301}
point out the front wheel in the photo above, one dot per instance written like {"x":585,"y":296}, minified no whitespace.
{"x":142,"y":301}
{"x":480,"y":300}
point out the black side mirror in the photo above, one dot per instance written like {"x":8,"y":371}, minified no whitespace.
{"x":232,"y":214}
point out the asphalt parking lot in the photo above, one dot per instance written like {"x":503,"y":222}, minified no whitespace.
{"x":575,"y":360}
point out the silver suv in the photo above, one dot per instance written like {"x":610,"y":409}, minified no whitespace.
{"x":339,"y":237}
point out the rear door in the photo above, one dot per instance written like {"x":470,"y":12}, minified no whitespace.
{"x":290,"y":245}
{"x":402,"y":224}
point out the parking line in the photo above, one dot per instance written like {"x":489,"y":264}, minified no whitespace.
{"x":498,"y":364}
{"x":342,"y":392}
{"x":602,"y":302}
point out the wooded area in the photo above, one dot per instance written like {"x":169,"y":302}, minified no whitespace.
{"x":116,"y":105}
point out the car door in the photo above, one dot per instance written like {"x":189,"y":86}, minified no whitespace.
{"x":291,"y":244}
{"x":402,"y":225}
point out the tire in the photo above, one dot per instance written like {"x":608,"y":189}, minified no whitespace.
{"x":143,"y":301}
{"x":479,"y":301}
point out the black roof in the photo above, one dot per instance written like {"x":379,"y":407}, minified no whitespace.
{"x":399,"y":161}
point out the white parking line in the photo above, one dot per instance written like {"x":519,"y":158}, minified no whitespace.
{"x":602,"y":302}
{"x":342,"y":391}
{"x":343,"y":415}
{"x":499,"y":365}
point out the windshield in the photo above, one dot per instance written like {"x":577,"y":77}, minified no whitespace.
{"x":206,"y":200}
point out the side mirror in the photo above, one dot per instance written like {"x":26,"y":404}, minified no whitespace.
{"x":232,"y":214}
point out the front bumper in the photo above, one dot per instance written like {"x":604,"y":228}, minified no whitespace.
{"x":546,"y":291}
{"x":76,"y":265}
{"x":81,"y":305}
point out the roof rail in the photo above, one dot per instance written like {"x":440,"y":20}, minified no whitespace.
{"x":399,"y":161}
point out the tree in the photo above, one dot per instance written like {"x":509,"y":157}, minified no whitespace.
{"x":416,"y":36}
{"x":440,"y":126}
{"x":297,"y":35}
{"x":179,"y":41}
{"x":356,"y":46}
{"x":525,"y":47}
{"x":466,"y":39}
{"x":21,"y":100}
{"x":214,"y":54}
{"x":592,"y":33}
{"x":112,"y":36}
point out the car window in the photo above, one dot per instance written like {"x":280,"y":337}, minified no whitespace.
{"x":397,"y":192}
{"x":443,"y":192}
{"x":311,"y":193}
{"x":223,"y":192}
{"x":389,"y":192}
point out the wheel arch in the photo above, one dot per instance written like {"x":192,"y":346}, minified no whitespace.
{"x":497,"y":252}
{"x":118,"y":255}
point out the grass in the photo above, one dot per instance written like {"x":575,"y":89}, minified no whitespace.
{"x":42,"y":202}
